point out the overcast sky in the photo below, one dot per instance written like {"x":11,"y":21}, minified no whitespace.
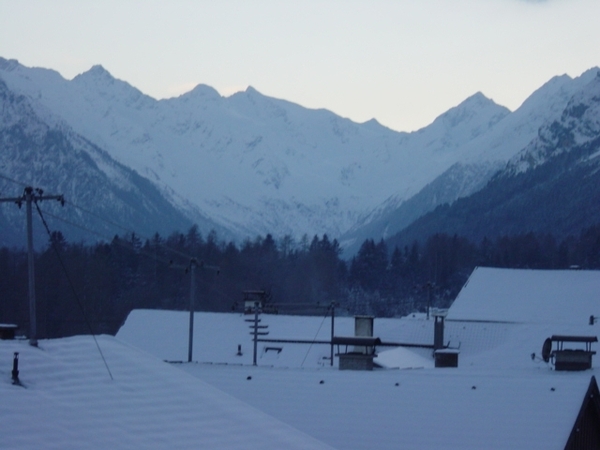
{"x":403,"y":62}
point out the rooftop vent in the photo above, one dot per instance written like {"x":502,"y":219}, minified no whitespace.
{"x":362,"y":343}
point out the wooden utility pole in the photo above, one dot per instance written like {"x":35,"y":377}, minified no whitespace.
{"x":333,"y":304}
{"x":31,"y":195}
{"x":191,"y":267}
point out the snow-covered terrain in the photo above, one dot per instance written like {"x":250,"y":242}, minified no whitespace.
{"x":481,"y":157}
{"x":499,"y":396}
{"x":577,"y":125}
{"x":260,"y":165}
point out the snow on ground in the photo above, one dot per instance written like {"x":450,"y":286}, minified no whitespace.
{"x":217,"y":336}
{"x":501,"y":395}
{"x":70,"y":402}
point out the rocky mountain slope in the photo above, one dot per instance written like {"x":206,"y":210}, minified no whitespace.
{"x":551,"y":186}
{"x":255,"y":164}
{"x":249,"y":165}
{"x":40,"y":150}
{"x":482,"y":158}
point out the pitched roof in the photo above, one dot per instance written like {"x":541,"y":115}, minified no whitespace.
{"x":70,"y":402}
{"x":528,"y":296}
{"x":499,"y":397}
{"x":425,"y":409}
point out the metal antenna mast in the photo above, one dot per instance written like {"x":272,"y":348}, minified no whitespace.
{"x":29,"y":196}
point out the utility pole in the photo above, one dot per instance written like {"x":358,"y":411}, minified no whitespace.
{"x":191,"y":267}
{"x":255,"y":327}
{"x":333,"y":305}
{"x":29,"y":196}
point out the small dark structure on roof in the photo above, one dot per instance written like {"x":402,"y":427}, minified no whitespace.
{"x":258,"y":298}
{"x":569,"y":358}
{"x":356,"y":360}
{"x":446,"y":357}
{"x":7,"y":331}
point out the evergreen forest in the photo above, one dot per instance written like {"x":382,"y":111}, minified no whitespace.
{"x":84,"y":289}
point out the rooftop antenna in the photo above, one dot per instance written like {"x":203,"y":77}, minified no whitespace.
{"x":29,"y":196}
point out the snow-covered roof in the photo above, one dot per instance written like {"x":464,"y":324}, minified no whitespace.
{"x":499,"y":396}
{"x":413,"y":409}
{"x":528,"y":296}
{"x":70,"y":402}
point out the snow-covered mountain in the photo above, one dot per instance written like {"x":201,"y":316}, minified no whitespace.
{"x":479,"y":159}
{"x":40,"y":150}
{"x":256,"y":165}
{"x":551,"y":186}
{"x":252,"y":163}
{"x":578,"y":125}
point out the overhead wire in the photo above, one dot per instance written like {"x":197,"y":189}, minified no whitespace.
{"x":20,"y":183}
{"x":98,"y":217}
{"x":73,"y":290}
{"x":315,"y":338}
{"x":126,"y":244}
{"x":122,"y":242}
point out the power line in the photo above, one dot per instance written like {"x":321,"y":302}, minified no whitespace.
{"x":129,"y":246}
{"x":121,"y":242}
{"x":13,"y":181}
{"x":73,"y":290}
{"x":31,"y":195}
{"x":108,"y":238}
{"x":100,"y":218}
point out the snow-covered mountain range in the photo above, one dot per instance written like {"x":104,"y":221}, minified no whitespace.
{"x":39,"y":149}
{"x":551,"y":186}
{"x":479,"y":159}
{"x":249,"y":164}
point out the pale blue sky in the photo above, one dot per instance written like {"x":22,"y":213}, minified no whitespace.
{"x":402,"y":62}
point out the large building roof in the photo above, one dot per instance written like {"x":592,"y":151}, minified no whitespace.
{"x":69,"y":401}
{"x":529,"y":296}
{"x":502,"y":395}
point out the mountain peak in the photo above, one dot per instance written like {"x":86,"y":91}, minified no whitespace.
{"x":8,"y":64}
{"x":204,"y":91}
{"x":477,"y":107}
{"x":97,"y":71}
{"x":477,"y":100}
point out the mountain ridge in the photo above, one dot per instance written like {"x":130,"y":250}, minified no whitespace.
{"x":256,"y":165}
{"x":52,"y":156}
{"x":550,"y":186}
{"x":483,"y":157}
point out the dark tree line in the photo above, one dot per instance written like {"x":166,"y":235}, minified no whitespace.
{"x":92,"y":288}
